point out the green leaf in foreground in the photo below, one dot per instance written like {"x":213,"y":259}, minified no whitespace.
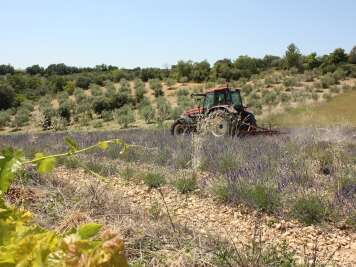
{"x":46,"y":164}
{"x":89,"y":230}
{"x":103,"y":145}
{"x":10,"y":161}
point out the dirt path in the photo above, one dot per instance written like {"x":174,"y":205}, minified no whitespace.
{"x":207,"y":216}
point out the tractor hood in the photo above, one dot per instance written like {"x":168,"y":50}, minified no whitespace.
{"x":193,"y":111}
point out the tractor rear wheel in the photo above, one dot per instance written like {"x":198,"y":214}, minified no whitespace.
{"x":218,"y":123}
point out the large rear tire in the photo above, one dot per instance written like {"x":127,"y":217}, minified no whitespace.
{"x":217,"y":123}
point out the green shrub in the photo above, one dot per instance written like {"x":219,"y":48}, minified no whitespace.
{"x":71,"y":162}
{"x":79,"y":94}
{"x":327,"y":80}
{"x":148,"y":113}
{"x":163,"y":110}
{"x":170,"y":82}
{"x":339,"y":74}
{"x":327,"y":96}
{"x":22,"y":117}
{"x":125,"y":116}
{"x":83,"y":82}
{"x":107,"y":115}
{"x":95,"y":90}
{"x":290,"y":82}
{"x":70,"y":87}
{"x":156,"y":86}
{"x":139,"y":90}
{"x":154,"y":180}
{"x":309,"y":209}
{"x":177,"y":112}
{"x":261,"y":197}
{"x":186,"y":184}
{"x":4,"y":118}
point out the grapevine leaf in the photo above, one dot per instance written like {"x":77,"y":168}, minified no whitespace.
{"x":103,"y":145}
{"x":89,"y":230}
{"x":72,"y":145}
{"x":10,"y":162}
{"x":44,"y":165}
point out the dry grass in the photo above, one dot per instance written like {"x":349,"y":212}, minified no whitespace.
{"x":341,"y":110}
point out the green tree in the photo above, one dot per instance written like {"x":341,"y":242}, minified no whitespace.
{"x":338,"y":56}
{"x":7,"y":96}
{"x":200,"y":71}
{"x":35,"y":69}
{"x":182,"y":69}
{"x":69,"y":87}
{"x":223,"y":69}
{"x":293,"y":57}
{"x":311,"y":61}
{"x":352,"y":56}
{"x":6,"y":69}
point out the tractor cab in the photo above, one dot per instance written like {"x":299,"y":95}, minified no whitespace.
{"x":222,"y":97}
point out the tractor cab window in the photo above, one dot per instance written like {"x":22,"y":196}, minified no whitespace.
{"x":209,"y":101}
{"x":236,"y":99}
{"x":214,"y":99}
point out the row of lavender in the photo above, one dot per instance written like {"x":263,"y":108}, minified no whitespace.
{"x":268,"y":173}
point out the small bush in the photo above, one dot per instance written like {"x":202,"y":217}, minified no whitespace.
{"x":154,"y":180}
{"x":71,"y":162}
{"x":148,"y":113}
{"x":156,"y":86}
{"x":107,"y":115}
{"x":186,"y":184}
{"x":83,"y":82}
{"x":335,"y":89}
{"x":261,"y":197}
{"x":98,"y":124}
{"x":309,"y":210}
{"x":22,"y":117}
{"x":125,"y":116}
{"x":4,"y":118}
{"x":327,"y":80}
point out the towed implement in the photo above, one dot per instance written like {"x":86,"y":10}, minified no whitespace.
{"x":220,"y":113}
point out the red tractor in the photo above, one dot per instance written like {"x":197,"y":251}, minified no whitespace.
{"x":221,"y":113}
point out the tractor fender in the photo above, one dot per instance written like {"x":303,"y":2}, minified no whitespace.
{"x":184,"y":120}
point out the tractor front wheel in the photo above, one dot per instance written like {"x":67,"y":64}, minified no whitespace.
{"x":179,"y":128}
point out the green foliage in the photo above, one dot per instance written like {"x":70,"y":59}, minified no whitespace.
{"x":148,"y":113}
{"x":125,"y":116}
{"x":107,"y":115}
{"x":4,"y":118}
{"x":6,"y":69}
{"x":156,"y":86}
{"x":352,"y":56}
{"x":186,"y":184}
{"x":26,"y":244}
{"x":7,"y":96}
{"x":310,"y":209}
{"x":22,"y":117}
{"x":261,"y":197}
{"x":83,"y":82}
{"x":327,"y":80}
{"x":69,"y":87}
{"x":163,"y":110}
{"x":139,"y":90}
{"x":293,"y":57}
{"x":154,"y":180}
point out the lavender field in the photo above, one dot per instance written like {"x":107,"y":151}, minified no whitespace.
{"x":308,"y":173}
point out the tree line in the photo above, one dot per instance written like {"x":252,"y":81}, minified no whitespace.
{"x":36,"y":81}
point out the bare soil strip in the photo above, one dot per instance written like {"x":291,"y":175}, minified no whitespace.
{"x":210,"y":218}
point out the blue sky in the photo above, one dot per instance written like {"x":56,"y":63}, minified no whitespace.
{"x":159,"y":33}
